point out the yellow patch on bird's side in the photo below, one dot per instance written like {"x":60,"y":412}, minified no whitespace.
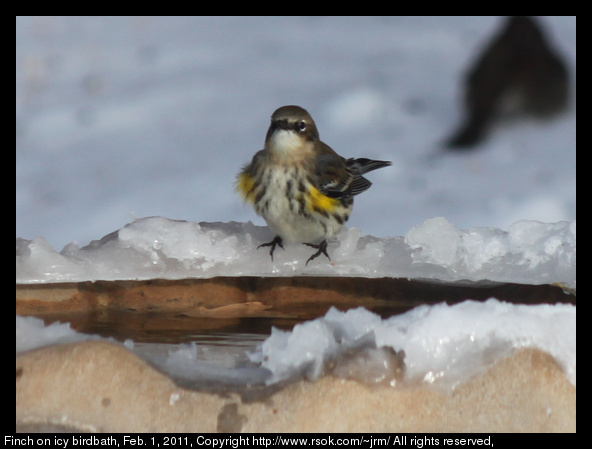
{"x":246,"y":187}
{"x":316,"y":201}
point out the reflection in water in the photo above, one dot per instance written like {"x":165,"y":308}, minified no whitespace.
{"x":170,"y":328}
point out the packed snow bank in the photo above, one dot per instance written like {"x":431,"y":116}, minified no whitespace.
{"x":443,"y":345}
{"x":528,"y":252}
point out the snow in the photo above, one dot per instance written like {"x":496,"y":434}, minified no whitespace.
{"x":31,"y":333}
{"x":529,"y":252}
{"x":126,"y":117}
{"x":443,"y":346}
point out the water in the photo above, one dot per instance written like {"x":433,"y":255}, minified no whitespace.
{"x":212,"y":354}
{"x":170,"y":328}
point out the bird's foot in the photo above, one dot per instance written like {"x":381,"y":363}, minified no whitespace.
{"x":322,"y":249}
{"x":277,"y":241}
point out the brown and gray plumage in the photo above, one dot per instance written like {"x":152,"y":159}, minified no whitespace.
{"x":301,"y":187}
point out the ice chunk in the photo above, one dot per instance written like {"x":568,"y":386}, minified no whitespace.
{"x":184,"y":242}
{"x":301,"y":351}
{"x":443,"y":345}
{"x":530,"y":252}
{"x":438,"y":240}
{"x":31,"y":333}
{"x":450,"y":342}
{"x":37,"y":261}
{"x":370,"y":365}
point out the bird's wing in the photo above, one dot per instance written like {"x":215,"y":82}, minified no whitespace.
{"x":337,"y":179}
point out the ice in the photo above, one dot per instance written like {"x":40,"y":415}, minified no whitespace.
{"x":438,"y":345}
{"x":306,"y":349}
{"x":437,"y":239}
{"x":195,"y":367}
{"x":153,"y":117}
{"x":31,"y":333}
{"x":453,"y":341}
{"x":203,"y":365}
{"x":156,"y":247}
{"x":442,"y":345}
{"x":530,"y":252}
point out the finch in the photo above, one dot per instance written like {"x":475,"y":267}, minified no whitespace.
{"x":301,"y":187}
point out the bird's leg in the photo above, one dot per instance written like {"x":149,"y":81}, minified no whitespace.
{"x":277,"y":241}
{"x":322,"y":249}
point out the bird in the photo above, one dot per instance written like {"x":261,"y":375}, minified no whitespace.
{"x":517,"y":73}
{"x":301,"y":187}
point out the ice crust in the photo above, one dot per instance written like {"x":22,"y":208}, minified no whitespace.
{"x":528,"y":252}
{"x":443,"y":345}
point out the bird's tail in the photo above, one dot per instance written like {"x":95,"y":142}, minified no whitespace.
{"x":363,"y":165}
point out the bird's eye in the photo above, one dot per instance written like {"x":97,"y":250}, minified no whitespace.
{"x":301,"y":126}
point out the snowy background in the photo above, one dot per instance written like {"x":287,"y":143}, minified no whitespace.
{"x":120,"y":118}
